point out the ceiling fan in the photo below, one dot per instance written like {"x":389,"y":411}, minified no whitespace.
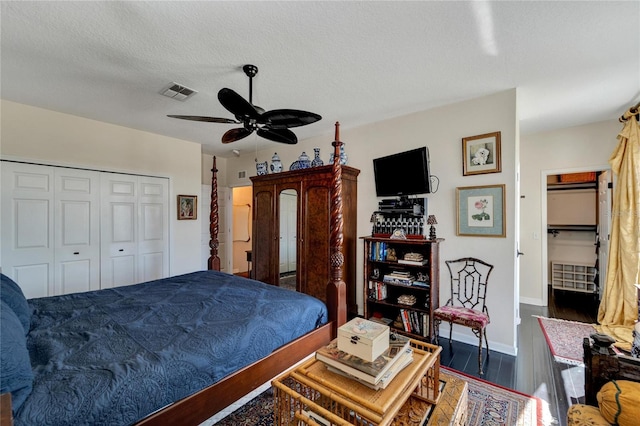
{"x":273,"y":125}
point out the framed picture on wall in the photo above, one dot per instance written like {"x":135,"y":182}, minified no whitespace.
{"x":481,"y":154}
{"x":480,"y":211}
{"x":187,"y":207}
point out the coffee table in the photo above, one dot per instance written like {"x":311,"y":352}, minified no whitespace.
{"x":310,"y":394}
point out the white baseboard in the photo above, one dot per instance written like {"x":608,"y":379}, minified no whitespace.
{"x":531,"y":301}
{"x":470,"y":339}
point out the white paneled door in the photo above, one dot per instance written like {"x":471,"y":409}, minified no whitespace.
{"x":135,"y":229}
{"x":68,"y":230}
{"x":27,"y":227}
{"x":76,"y":230}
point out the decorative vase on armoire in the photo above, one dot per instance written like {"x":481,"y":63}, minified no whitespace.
{"x":343,"y":156}
{"x":317,"y":161}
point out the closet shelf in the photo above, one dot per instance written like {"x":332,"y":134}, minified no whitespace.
{"x":552,"y":229}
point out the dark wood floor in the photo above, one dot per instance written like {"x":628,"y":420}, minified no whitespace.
{"x":534,"y":370}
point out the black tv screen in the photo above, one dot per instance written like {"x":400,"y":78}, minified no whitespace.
{"x":405,"y":173}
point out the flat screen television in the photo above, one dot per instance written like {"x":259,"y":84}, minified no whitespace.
{"x":402,"y":174}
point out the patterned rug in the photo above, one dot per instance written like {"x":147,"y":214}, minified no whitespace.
{"x":565,"y":338}
{"x":489,"y":405}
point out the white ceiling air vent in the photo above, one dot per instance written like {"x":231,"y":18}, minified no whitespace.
{"x":178,"y":92}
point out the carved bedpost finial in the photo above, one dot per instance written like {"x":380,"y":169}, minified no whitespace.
{"x":336,"y":290}
{"x":214,"y":261}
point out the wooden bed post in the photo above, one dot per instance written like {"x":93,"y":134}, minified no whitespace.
{"x":214,"y":260}
{"x":336,"y":288}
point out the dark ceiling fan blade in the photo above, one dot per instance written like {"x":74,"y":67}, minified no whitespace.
{"x":285,"y":118}
{"x":237,"y":105}
{"x":278,"y":135}
{"x":235,"y":135}
{"x":205,"y":119}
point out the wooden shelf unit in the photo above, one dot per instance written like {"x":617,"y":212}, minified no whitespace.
{"x":573,"y":277}
{"x":381,"y":298}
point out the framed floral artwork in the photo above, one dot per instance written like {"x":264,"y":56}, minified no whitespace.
{"x":481,"y":154}
{"x":480,"y":211}
{"x":187,"y":207}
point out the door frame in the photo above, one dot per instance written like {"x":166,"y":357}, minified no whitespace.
{"x":543,"y":214}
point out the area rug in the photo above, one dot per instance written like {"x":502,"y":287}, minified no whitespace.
{"x":565,"y":338}
{"x":494,"y":405}
{"x":489,"y":405}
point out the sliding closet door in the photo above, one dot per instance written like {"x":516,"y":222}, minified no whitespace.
{"x":27,"y":227}
{"x":119,"y":230}
{"x":135,"y":229}
{"x":153,"y":229}
{"x":77,"y":230}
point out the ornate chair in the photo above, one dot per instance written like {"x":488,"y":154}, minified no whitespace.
{"x":469,"y":277}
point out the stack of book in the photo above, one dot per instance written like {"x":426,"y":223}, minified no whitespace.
{"x":399,"y":277}
{"x":377,"y":374}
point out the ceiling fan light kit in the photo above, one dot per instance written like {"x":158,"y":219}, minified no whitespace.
{"x":272,"y":125}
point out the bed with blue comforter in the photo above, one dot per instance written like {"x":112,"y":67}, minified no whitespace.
{"x":112,"y":357}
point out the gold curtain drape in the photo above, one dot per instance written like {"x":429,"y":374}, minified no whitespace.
{"x":619,"y":305}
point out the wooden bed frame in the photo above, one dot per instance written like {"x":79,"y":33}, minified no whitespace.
{"x":202,"y":405}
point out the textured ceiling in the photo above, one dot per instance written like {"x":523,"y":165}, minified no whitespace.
{"x":353,"y":62}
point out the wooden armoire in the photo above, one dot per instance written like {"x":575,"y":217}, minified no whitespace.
{"x":312,"y":240}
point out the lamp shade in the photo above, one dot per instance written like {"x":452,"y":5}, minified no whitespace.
{"x":431,"y":220}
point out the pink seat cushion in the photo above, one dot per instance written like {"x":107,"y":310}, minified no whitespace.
{"x":463,"y":316}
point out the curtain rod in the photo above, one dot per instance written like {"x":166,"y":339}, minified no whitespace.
{"x":633,"y":111}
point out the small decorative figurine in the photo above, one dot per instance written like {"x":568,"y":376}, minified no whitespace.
{"x":262,"y":168}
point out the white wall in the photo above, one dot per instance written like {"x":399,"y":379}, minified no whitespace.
{"x":441,"y":130}
{"x":48,"y":137}
{"x":574,"y":149}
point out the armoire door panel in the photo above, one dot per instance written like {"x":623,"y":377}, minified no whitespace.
{"x":263,"y":247}
{"x":316,"y":231}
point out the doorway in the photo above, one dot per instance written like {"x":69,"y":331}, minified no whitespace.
{"x":583,"y":240}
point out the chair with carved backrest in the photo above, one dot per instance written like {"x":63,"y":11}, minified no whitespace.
{"x":469,"y":277}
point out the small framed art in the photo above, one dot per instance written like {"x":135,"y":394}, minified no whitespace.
{"x":187,"y":207}
{"x":480,"y":211}
{"x":481,"y":154}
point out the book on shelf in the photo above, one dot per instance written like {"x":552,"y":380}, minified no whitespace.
{"x":370,"y":372}
{"x":377,"y":290}
{"x":413,"y":262}
{"x":401,"y":361}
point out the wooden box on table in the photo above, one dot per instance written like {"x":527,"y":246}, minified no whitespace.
{"x":311,"y":391}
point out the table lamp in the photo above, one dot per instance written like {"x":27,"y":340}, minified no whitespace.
{"x":431,"y":220}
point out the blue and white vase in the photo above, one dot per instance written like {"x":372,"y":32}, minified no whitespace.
{"x":276,"y":164}
{"x":317,"y":161}
{"x":343,"y":156}
{"x":304,"y":161}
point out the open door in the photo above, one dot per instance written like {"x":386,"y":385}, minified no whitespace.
{"x":604,"y":225}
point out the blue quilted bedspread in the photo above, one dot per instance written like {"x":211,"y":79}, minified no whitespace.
{"x":113,"y":356}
